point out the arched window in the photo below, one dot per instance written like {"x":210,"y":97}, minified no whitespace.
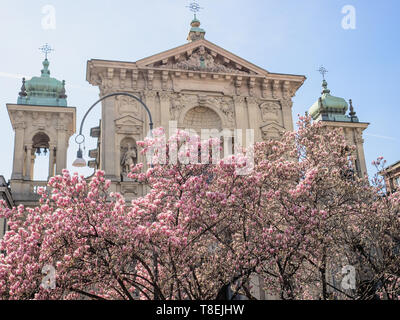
{"x":39,"y":160}
{"x":202,"y":118}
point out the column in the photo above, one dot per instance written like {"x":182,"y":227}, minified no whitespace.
{"x":360,"y":152}
{"x":61,"y":150}
{"x":52,"y":151}
{"x":18,"y":163}
{"x":28,"y":163}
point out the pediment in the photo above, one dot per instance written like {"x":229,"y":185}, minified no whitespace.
{"x":201,"y":55}
{"x":272,"y":131}
{"x":272,"y":127}
{"x":128,"y":120}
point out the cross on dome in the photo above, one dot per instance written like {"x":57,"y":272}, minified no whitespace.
{"x":46,"y":49}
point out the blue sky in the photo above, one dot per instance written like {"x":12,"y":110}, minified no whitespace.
{"x":285,"y":36}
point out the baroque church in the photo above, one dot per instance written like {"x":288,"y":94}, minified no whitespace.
{"x":199,"y":85}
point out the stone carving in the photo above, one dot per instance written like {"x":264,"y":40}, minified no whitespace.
{"x":272,"y":131}
{"x":287,"y":90}
{"x":129,"y":190}
{"x":239,"y":100}
{"x":176,"y":106}
{"x":126,"y":105}
{"x":106,"y":82}
{"x":287,"y":103}
{"x":181,"y":101}
{"x":224,"y":104}
{"x":270,"y":111}
{"x":228,"y":110}
{"x":201,"y":60}
{"x":129,"y":158}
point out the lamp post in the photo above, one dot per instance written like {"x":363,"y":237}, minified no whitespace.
{"x":80,"y":162}
{"x":80,"y":139}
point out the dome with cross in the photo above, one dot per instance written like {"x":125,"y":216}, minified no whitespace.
{"x":43,"y":90}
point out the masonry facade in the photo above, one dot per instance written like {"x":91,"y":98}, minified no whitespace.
{"x":200,"y":86}
{"x":392,"y":177}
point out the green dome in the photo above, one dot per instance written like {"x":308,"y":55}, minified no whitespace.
{"x":328,"y":107}
{"x":43,"y":90}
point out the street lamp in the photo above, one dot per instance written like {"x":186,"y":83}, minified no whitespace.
{"x":80,"y":139}
{"x":79,"y":161}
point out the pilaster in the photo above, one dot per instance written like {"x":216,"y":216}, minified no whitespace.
{"x":254,"y":117}
{"x":165,"y":110}
{"x":18,"y":162}
{"x":108,"y":157}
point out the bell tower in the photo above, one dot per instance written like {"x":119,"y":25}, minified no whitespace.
{"x":332,"y":112}
{"x":43,"y":124}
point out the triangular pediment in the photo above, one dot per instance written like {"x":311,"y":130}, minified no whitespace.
{"x":201,"y":55}
{"x":128,"y":120}
{"x":272,"y":127}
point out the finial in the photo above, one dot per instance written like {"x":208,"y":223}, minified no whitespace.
{"x":322,"y":71}
{"x":194,"y":7}
{"x":196,"y":33}
{"x":352,"y":112}
{"x":46,"y":49}
{"x":62,"y":93}
{"x":23,"y":89}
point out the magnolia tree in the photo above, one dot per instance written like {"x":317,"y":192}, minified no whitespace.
{"x":294,"y":214}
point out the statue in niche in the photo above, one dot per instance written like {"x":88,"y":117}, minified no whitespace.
{"x":129,"y":158}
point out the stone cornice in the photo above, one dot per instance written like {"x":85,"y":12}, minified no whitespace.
{"x":12,"y":108}
{"x":343,"y":124}
{"x":279,"y":85}
{"x":103,"y":66}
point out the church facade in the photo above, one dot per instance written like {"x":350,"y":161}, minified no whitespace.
{"x":199,"y":85}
